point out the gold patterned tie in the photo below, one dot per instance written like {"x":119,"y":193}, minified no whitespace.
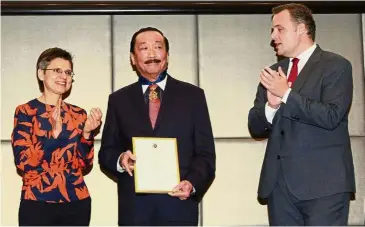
{"x":154,"y":104}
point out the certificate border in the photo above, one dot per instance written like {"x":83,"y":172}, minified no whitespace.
{"x":136,"y":189}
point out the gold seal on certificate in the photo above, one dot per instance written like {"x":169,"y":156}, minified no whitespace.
{"x":157,"y":166}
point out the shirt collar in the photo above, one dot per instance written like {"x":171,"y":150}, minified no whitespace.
{"x":161,"y":84}
{"x":304,"y":56}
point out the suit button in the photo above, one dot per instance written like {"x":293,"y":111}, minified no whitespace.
{"x":278,"y":157}
{"x":282,"y":132}
{"x":266,"y":129}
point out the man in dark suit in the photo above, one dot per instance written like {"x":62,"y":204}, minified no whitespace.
{"x":158,"y":106}
{"x":307,"y":175}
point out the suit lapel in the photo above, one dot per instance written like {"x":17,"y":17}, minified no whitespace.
{"x":141,"y":107}
{"x":306,"y":72}
{"x":167,"y":101}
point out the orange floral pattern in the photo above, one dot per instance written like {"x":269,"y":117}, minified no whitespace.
{"x":51,"y":167}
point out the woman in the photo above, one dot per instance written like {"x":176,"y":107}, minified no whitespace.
{"x":53,"y":143}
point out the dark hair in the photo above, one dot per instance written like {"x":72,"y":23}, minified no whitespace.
{"x":147,"y":29}
{"x":49,"y":55}
{"x":299,"y":14}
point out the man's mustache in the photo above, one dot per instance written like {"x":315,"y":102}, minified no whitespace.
{"x":152,"y":61}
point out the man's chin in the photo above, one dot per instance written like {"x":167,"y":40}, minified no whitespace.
{"x":153,"y":70}
{"x":279,"y":53}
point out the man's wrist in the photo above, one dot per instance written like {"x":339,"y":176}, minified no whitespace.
{"x":121,"y":159}
{"x":286,"y":95}
{"x":193,"y":191}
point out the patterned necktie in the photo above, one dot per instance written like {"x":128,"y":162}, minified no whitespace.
{"x":294,"y":71}
{"x":154,"y":104}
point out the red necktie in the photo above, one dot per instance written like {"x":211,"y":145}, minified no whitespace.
{"x":294,"y":71}
{"x":154,"y":104}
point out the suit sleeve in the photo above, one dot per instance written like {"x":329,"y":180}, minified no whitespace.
{"x":111,"y":143}
{"x":258,"y":125}
{"x":336,"y":98}
{"x":202,"y":170}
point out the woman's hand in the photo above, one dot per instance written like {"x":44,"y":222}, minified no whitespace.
{"x":93,"y":121}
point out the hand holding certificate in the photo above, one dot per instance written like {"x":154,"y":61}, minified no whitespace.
{"x":126,"y":161}
{"x":157,"y":167}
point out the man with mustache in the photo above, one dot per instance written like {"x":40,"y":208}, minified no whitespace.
{"x":158,"y":106}
{"x":302,"y":105}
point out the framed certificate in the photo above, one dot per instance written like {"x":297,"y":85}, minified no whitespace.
{"x":156,"y":169}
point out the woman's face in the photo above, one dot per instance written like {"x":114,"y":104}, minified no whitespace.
{"x":57,"y":77}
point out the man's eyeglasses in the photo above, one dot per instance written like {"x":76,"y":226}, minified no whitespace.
{"x":60,"y":71}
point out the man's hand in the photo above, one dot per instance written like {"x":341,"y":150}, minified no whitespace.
{"x":126,"y":161}
{"x":182,"y":190}
{"x":273,"y":101}
{"x":275,"y":82}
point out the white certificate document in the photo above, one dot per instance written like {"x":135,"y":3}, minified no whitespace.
{"x":156,"y":169}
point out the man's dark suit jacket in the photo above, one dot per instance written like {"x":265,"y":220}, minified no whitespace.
{"x":309,"y":135}
{"x":183,"y":115}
